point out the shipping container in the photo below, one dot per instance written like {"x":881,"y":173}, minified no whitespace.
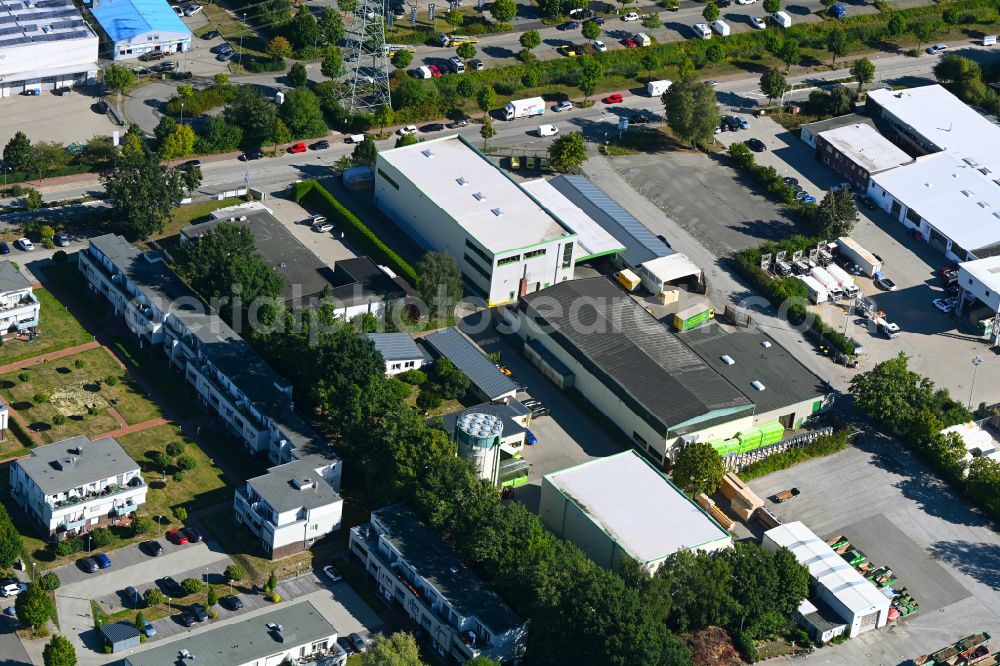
{"x":865,"y":260}
{"x":693,"y":316}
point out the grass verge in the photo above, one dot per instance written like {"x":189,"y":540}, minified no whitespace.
{"x":57,"y":329}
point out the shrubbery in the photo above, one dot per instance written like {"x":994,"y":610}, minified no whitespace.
{"x":823,"y":446}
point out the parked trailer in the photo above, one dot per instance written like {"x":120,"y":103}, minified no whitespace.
{"x":817,"y":292}
{"x":847,"y":284}
{"x":782,"y":19}
{"x":721,"y":27}
{"x":454,"y":40}
{"x":657,"y":88}
{"x":524,"y":108}
{"x":865,"y":260}
{"x":693,"y":316}
{"x":830,"y":283}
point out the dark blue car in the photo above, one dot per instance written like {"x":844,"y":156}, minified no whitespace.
{"x":103,"y":561}
{"x":838,"y":11}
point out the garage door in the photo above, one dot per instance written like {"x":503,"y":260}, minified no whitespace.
{"x":868,"y":622}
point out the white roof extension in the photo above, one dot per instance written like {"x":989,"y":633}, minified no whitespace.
{"x":828,"y":569}
{"x":866,"y":147}
{"x":638,"y":507}
{"x":489,"y":205}
{"x":593,"y":239}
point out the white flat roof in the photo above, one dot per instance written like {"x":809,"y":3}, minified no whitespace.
{"x":940,"y":117}
{"x":451,"y":173}
{"x":672,"y":267}
{"x":866,"y":147}
{"x":986,"y":271}
{"x":593,"y":239}
{"x":637,"y":506}
{"x":957,"y":198}
{"x":827,"y":568}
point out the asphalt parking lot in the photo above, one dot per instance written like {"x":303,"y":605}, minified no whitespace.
{"x":896,"y":512}
{"x":50,"y":117}
{"x":328,"y":246}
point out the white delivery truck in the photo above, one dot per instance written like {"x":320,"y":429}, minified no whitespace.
{"x":547,"y":130}
{"x":847,"y":284}
{"x":524,"y":108}
{"x":829,"y":282}
{"x":865,"y":260}
{"x":657,"y":88}
{"x":989,"y":40}
{"x":721,"y":27}
{"x":782,"y":19}
{"x":702,"y":30}
{"x":817,"y":293}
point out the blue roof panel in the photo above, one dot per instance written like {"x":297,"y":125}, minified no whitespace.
{"x":641,"y":244}
{"x":125,"y":19}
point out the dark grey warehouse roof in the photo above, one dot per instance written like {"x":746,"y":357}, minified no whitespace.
{"x":396,"y":346}
{"x":632,"y":353}
{"x":435,"y":561}
{"x":641,"y":244}
{"x":786,"y":381}
{"x":506,"y":411}
{"x":468,"y":358}
{"x":119,"y":631}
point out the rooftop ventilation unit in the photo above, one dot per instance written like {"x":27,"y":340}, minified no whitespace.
{"x":497,"y":212}
{"x":765,"y":344}
{"x":757,"y":385}
{"x":426,"y":152}
{"x":728,"y":360}
{"x":462,"y":181}
{"x":303,"y":484}
{"x":479,"y":196}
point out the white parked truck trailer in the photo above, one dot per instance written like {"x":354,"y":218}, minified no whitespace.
{"x":817,"y":292}
{"x":865,"y":260}
{"x":721,"y":27}
{"x":847,"y":284}
{"x":524,"y":108}
{"x":830,"y":283}
{"x":657,"y":88}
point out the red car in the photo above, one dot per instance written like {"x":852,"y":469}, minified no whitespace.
{"x":176,"y":536}
{"x":298,"y":148}
{"x":613,"y":99}
{"x":435,"y":72}
{"x":629,"y":43}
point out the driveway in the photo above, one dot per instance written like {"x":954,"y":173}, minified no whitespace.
{"x":328,"y":246}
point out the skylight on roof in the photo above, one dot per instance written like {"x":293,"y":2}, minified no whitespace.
{"x":462,"y":181}
{"x":497,"y":212}
{"x":479,"y":196}
{"x":426,"y":152}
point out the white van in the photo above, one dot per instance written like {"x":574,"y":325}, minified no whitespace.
{"x":702,"y":30}
{"x":782,"y":19}
{"x":355,"y":138}
{"x":721,"y":27}
{"x":989,"y":40}
{"x":547,"y":130}
{"x":657,"y":88}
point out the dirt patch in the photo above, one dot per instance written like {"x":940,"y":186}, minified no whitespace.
{"x":77,"y":398}
{"x":713,"y":647}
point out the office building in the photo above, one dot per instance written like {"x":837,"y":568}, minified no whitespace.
{"x":131,"y":28}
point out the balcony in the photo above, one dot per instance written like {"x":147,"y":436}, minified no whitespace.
{"x":27,"y":300}
{"x":109,"y":492}
{"x":238,"y":404}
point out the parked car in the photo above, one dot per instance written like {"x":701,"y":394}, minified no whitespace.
{"x":211,"y":34}
{"x":477,"y":64}
{"x":190,"y":164}
{"x":529,"y":438}
{"x":231,"y":602}
{"x":171,"y":587}
{"x":789,"y":180}
{"x":148,"y":629}
{"x":192,"y":10}
{"x":629,"y":43}
{"x":600,"y":46}
{"x":641,"y":118}
{"x":221,"y":48}
{"x":745,"y":2}
{"x":140,"y":70}
{"x":178,"y":10}
{"x":24,"y":244}
{"x":945,"y":305}
{"x":103,"y":561}
{"x":435,"y":72}
{"x":183,"y":76}
{"x":332,"y":574}
{"x":432,"y":127}
{"x":358,"y":643}
{"x":540,"y":411}
{"x":165,"y":66}
{"x":153,"y":548}
{"x":226,"y":56}
{"x":132,"y":597}
{"x":937,"y":48}
{"x":568,"y":50}
{"x":296,"y":148}
{"x":199,"y":612}
{"x":564,"y":105}
{"x":631,"y":16}
{"x":88,"y":564}
{"x":187,"y":618}
{"x":319,"y":145}
{"x":742,"y":122}
{"x":885,"y":284}
{"x":323,"y":228}
{"x":252,"y":155}
{"x":13,"y":589}
{"x":569,"y":25}
{"x":808,"y":199}
{"x":756,"y":145}
{"x":458,"y":124}
{"x":616,"y":98}
{"x":758,"y":23}
{"x":838,"y":11}
{"x":409,"y":129}
{"x":866,"y":201}
{"x":193,"y":535}
{"x":61,"y":239}
{"x":177,"y":537}
{"x":150,"y":56}
{"x":4,"y":248}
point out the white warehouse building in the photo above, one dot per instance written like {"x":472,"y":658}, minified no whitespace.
{"x":44,"y":45}
{"x":852,"y":597}
{"x":450,"y":198}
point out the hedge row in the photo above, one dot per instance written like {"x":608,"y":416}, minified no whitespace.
{"x":320,"y":198}
{"x":823,"y":446}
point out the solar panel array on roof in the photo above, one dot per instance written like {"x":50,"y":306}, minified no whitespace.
{"x":641,"y":244}
{"x":46,"y":4}
{"x":468,"y":358}
{"x":14,"y":41}
{"x":10,"y":31}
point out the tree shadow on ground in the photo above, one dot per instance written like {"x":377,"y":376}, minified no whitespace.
{"x":978,"y":560}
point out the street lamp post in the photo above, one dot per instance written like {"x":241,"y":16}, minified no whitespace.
{"x":88,"y":544}
{"x":976,"y":362}
{"x":33,"y":565}
{"x":181,"y":123}
{"x":240,"y":59}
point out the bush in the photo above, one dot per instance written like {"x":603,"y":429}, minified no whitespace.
{"x":40,"y":398}
{"x":180,"y":475}
{"x":192,"y":586}
{"x":318,"y":197}
{"x":275,"y":597}
{"x":68,"y":547}
{"x":142,"y":525}
{"x":823,"y":446}
{"x":60,"y":256}
{"x":235,"y":572}
{"x":101,"y":537}
{"x":23,"y":377}
{"x":260,"y":65}
{"x":180,"y":513}
{"x":429,"y":399}
{"x":78,"y":364}
{"x":93,"y":410}
{"x":186,"y":462}
{"x":49,"y":581}
{"x":152,"y":596}
{"x":175,"y":449}
{"x":110,"y":380}
{"x":58,"y":419}
{"x":413,"y":377}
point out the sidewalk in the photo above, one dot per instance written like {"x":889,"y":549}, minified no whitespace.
{"x":51,"y":356}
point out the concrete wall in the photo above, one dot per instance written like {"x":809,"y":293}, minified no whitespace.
{"x":799,"y":411}
{"x":169,"y":42}
{"x":565,"y":519}
{"x":318,"y":523}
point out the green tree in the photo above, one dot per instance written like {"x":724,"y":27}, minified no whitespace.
{"x":530,"y":39}
{"x":451,"y":382}
{"x":180,"y":513}
{"x":18,"y":153}
{"x":711,"y":12}
{"x":892,"y":393}
{"x":164,"y":128}
{"x":191,"y":586}
{"x":487,"y":131}
{"x":280,"y":134}
{"x":142,"y":193}
{"x":186,"y":462}
{"x":691,"y":111}
{"x":49,"y":156}
{"x":591,"y":30}
{"x":365,"y":152}
{"x":440,"y":283}
{"x":925,"y":29}
{"x":790,"y":53}
{"x":504,"y":10}
{"x":234,"y":572}
{"x":466,"y":88}
{"x":142,"y":525}
{"x":698,"y":469}
{"x":651,"y":21}
{"x":466,"y":50}
{"x":34,"y":607}
{"x":49,"y":581}
{"x":896,"y":25}
{"x":454,"y":17}
{"x":406,"y":140}
{"x":180,"y":142}
{"x":272,"y":582}
{"x":273,"y":12}
{"x":117,"y":79}
{"x":303,"y":30}
{"x":568,"y":151}
{"x":332,"y":65}
{"x":481,"y":661}
{"x":836,"y":44}
{"x":984,"y":482}
{"x":383,"y":116}
{"x":217,"y":135}
{"x":174,"y":449}
{"x":32,"y":199}
{"x":101,"y":537}
{"x":402,"y":59}
{"x":279,"y":47}
{"x":398,"y":649}
{"x":152,"y":596}
{"x":685,"y":69}
{"x":331,"y":26}
{"x":715,"y":52}
{"x":863,"y":71}
{"x":59,"y":652}
{"x":486,"y":98}
{"x":254,"y":114}
{"x":302,"y":114}
{"x":348,"y":6}
{"x":698,"y":589}
{"x":212,"y":598}
{"x":140,"y":622}
{"x":298,"y":76}
{"x":772,"y":6}
{"x":773,"y":84}
{"x":225,"y":267}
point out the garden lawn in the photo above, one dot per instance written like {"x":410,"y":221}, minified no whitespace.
{"x":200,"y":487}
{"x":57,"y":329}
{"x":232,"y":28}
{"x":182,"y":216}
{"x":244,"y":548}
{"x":71,"y":391}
